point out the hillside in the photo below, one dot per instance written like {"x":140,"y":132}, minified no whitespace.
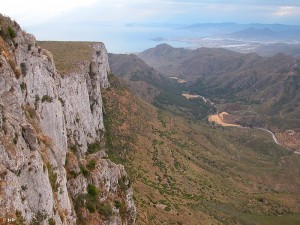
{"x":191,"y":172}
{"x":273,"y":49}
{"x":157,"y":89}
{"x":267,"y":87}
{"x":141,"y":78}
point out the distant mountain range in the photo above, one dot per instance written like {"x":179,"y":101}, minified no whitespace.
{"x":266,"y":34}
{"x":234,"y":27}
{"x":264,"y":39}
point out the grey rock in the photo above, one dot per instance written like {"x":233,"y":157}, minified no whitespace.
{"x":42,"y":114}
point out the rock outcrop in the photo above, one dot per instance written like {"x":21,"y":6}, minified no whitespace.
{"x":53,"y":167}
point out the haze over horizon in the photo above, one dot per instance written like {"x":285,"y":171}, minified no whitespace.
{"x":132,"y":26}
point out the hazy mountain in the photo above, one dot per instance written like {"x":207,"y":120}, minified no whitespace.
{"x":234,"y":27}
{"x":255,"y":33}
{"x":265,"y":34}
{"x":245,"y":38}
{"x":191,"y":64}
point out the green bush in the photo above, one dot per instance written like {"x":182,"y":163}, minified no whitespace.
{"x":92,"y":190}
{"x":91,"y":164}
{"x":51,"y":221}
{"x":91,"y":206}
{"x":84,"y":171}
{"x":11,"y":32}
{"x":167,"y":209}
{"x":105,"y":210}
{"x":73,"y":148}
{"x":94,"y":147}
{"x":52,"y":178}
{"x":38,"y":218}
{"x":46,"y":98}
{"x":15,"y":139}
{"x":23,"y":68}
{"x":124,"y":183}
{"x":19,"y":218}
{"x":118,"y":204}
{"x":23,"y":86}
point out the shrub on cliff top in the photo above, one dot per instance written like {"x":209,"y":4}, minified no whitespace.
{"x":7,"y":28}
{"x":11,"y":32}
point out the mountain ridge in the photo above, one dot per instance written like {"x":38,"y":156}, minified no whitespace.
{"x":262,"y":83}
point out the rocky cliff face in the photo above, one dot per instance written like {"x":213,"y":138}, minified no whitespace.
{"x":53,"y":167}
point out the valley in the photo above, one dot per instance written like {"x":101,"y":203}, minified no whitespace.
{"x":188,"y":171}
{"x":257,"y":91}
{"x":254,"y":93}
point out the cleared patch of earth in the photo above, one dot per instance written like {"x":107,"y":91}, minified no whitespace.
{"x":219,"y":119}
{"x":189,"y":96}
{"x":180,"y":81}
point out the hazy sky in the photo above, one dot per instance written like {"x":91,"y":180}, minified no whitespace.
{"x":109,"y":20}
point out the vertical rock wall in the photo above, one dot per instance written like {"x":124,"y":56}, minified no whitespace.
{"x":47,"y":124}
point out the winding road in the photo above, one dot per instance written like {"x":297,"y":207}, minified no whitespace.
{"x":273,"y":135}
{"x":218,"y":118}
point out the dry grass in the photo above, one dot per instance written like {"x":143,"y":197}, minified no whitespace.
{"x":68,"y":55}
{"x":45,"y":139}
{"x":18,"y":72}
{"x":5,"y":50}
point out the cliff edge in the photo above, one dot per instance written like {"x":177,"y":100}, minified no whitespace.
{"x":53,"y":165}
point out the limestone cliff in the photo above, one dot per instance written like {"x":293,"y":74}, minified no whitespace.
{"x":53,"y":167}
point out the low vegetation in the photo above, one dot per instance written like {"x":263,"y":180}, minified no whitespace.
{"x":8,"y":28}
{"x":75,"y":52}
{"x":52,"y":178}
{"x":94,"y":147}
{"x":185,"y":171}
{"x":92,"y":203}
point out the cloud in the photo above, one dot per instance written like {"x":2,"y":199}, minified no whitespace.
{"x":32,"y":12}
{"x":286,"y":11}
